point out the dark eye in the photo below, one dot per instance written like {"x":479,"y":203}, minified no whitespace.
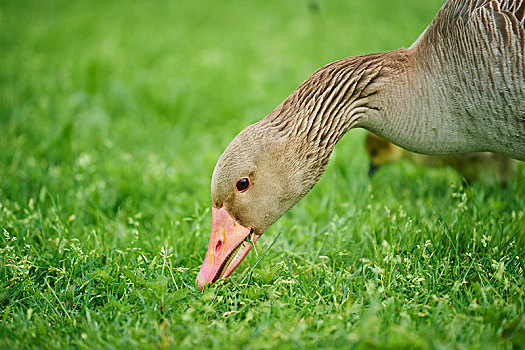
{"x":243,"y":184}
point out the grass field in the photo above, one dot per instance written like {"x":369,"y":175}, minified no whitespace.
{"x":112,"y":116}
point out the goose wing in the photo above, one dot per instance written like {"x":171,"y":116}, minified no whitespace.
{"x":474,"y":54}
{"x":491,"y":18}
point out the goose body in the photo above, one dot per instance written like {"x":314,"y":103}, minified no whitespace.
{"x":459,"y":88}
{"x":481,"y":166}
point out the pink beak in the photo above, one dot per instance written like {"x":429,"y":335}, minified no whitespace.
{"x":227,"y":248}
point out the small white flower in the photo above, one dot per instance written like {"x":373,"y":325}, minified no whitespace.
{"x":84,"y":160}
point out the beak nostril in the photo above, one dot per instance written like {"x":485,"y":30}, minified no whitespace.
{"x":218,"y":246}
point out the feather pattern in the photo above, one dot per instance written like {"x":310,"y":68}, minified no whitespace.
{"x":471,"y":61}
{"x":459,"y":88}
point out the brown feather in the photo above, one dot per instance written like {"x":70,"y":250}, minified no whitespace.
{"x":459,"y":88}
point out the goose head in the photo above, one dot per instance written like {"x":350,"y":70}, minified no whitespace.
{"x":272,"y":164}
{"x":380,"y":152}
{"x":258,"y":178}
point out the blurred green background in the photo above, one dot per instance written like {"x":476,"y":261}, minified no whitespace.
{"x":112,"y":116}
{"x":115,"y":105}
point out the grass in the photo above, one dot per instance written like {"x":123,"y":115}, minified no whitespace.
{"x":112,"y":116}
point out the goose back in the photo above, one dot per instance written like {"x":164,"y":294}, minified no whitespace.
{"x":465,"y":85}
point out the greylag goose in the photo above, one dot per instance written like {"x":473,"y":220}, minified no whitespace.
{"x":481,"y":166}
{"x":459,"y":88}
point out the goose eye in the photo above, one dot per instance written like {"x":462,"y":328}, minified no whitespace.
{"x":243,"y":184}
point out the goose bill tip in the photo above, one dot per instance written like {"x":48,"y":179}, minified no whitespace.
{"x":226,"y":249}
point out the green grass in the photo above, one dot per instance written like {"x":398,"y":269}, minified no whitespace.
{"x":112,"y":116}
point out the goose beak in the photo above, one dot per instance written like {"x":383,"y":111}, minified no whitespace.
{"x":227,"y":248}
{"x":372,"y":169}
